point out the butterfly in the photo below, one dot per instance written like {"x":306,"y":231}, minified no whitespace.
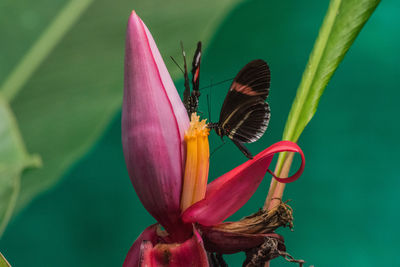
{"x":191,"y":99}
{"x":244,"y":114}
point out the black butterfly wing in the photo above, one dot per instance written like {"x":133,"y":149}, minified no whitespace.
{"x":191,"y":99}
{"x":253,"y":79}
{"x":248,"y":122}
{"x":196,"y":69}
{"x":245,"y":115}
{"x":186,"y":92}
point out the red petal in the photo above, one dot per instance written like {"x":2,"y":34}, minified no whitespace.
{"x":232,"y":190}
{"x":149,"y":250}
{"x":145,"y":254}
{"x":134,"y":253}
{"x":190,"y":253}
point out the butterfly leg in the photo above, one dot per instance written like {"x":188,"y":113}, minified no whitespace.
{"x":242,"y":148}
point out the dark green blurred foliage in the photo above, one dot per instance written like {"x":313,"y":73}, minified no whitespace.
{"x":345,"y":204}
{"x":51,"y":76}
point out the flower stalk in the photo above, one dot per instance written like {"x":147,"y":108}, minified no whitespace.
{"x":274,"y":197}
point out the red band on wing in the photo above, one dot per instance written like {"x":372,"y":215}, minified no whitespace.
{"x":244,"y":89}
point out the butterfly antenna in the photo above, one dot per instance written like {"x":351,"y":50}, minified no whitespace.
{"x":176,"y":63}
{"x":221,"y":82}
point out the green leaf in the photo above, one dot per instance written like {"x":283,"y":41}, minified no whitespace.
{"x":343,"y":22}
{"x":3,"y":261}
{"x":69,"y":83}
{"x":13,"y":160}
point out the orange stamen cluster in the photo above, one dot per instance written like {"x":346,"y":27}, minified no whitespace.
{"x":197,"y":162}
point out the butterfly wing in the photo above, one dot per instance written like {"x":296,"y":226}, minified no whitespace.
{"x":253,"y":79}
{"x":186,"y":92}
{"x":245,"y":114}
{"x":191,"y":99}
{"x":248,"y":122}
{"x":196,"y":69}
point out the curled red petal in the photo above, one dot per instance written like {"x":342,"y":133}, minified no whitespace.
{"x":289,"y":147}
{"x":232,"y":190}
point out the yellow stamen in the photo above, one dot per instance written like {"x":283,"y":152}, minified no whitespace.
{"x":197,"y":162}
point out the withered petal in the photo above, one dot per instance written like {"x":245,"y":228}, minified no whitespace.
{"x":224,"y":242}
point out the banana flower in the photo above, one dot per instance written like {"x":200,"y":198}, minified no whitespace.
{"x":167,"y":157}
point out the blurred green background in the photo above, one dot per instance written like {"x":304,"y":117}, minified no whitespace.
{"x":345,"y":204}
